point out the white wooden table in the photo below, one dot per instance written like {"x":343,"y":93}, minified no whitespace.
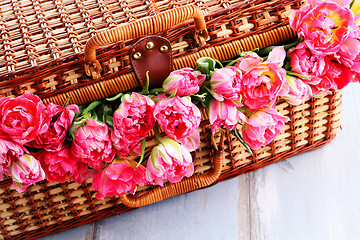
{"x":315,"y":195}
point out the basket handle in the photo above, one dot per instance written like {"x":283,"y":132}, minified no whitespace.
{"x":143,"y":27}
{"x":172,"y":189}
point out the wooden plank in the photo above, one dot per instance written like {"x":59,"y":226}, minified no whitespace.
{"x":220,"y":212}
{"x":314,"y":195}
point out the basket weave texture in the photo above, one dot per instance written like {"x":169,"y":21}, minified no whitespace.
{"x":46,"y":207}
{"x":43,"y":41}
{"x":42,"y":52}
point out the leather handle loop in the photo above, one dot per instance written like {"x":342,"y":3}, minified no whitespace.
{"x":143,"y":27}
{"x":185,"y":185}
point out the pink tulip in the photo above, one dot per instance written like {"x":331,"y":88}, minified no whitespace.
{"x":262,"y":80}
{"x":92,"y":144}
{"x":133,"y":120}
{"x":119,"y":178}
{"x":224,"y":114}
{"x":192,"y":142}
{"x":8,"y":152}
{"x":25,"y":171}
{"x":226,"y":84}
{"x":183,"y":82}
{"x":58,"y":119}
{"x":296,"y":91}
{"x":124,"y":147}
{"x":179,"y":117}
{"x":324,"y":72}
{"x":61,"y":166}
{"x":169,"y":160}
{"x":21,"y":118}
{"x":325,"y":25}
{"x":134,"y":117}
{"x":263,"y":127}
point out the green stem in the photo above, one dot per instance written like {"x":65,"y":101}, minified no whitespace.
{"x":220,"y":64}
{"x":157,"y":133}
{"x":232,"y":62}
{"x":143,"y":144}
{"x":145,"y":90}
{"x":246,"y":110}
{"x":236,"y":133}
{"x":67,"y":102}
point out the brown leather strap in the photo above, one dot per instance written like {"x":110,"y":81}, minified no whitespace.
{"x":152,"y":54}
{"x":143,"y":27}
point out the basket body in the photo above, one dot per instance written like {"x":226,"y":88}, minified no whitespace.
{"x":42,"y":52}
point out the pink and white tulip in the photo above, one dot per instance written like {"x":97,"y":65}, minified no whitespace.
{"x":262,"y":80}
{"x":25,"y":171}
{"x":8,"y":152}
{"x":183,"y":82}
{"x":325,"y":25}
{"x":93,"y":144}
{"x":262,"y":127}
{"x":296,"y":91}
{"x":226,"y":84}
{"x":169,"y":160}
{"x":133,"y":120}
{"x":224,"y":114}
{"x":179,"y":117}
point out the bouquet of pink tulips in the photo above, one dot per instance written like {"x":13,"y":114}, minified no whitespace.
{"x":63,"y":143}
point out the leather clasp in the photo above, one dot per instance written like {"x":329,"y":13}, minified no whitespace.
{"x":153,"y":54}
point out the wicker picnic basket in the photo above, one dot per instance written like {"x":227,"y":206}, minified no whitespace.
{"x":43,"y":51}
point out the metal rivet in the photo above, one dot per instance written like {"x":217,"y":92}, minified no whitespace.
{"x":150,"y":45}
{"x":164,"y":49}
{"x":137,"y":55}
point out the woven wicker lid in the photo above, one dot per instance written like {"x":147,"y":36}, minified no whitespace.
{"x":42,"y":42}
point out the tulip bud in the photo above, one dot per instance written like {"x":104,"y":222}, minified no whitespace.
{"x":183,"y":82}
{"x":26,"y":170}
{"x":169,"y":160}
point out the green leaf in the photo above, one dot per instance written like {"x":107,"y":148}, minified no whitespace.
{"x":236,"y":133}
{"x":103,"y":112}
{"x":143,"y":144}
{"x":352,"y":3}
{"x":92,"y":106}
{"x":119,"y":95}
{"x":145,"y":90}
{"x":293,"y":44}
{"x":297,"y":75}
{"x":93,"y":115}
{"x":205,"y":65}
{"x":109,"y":121}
